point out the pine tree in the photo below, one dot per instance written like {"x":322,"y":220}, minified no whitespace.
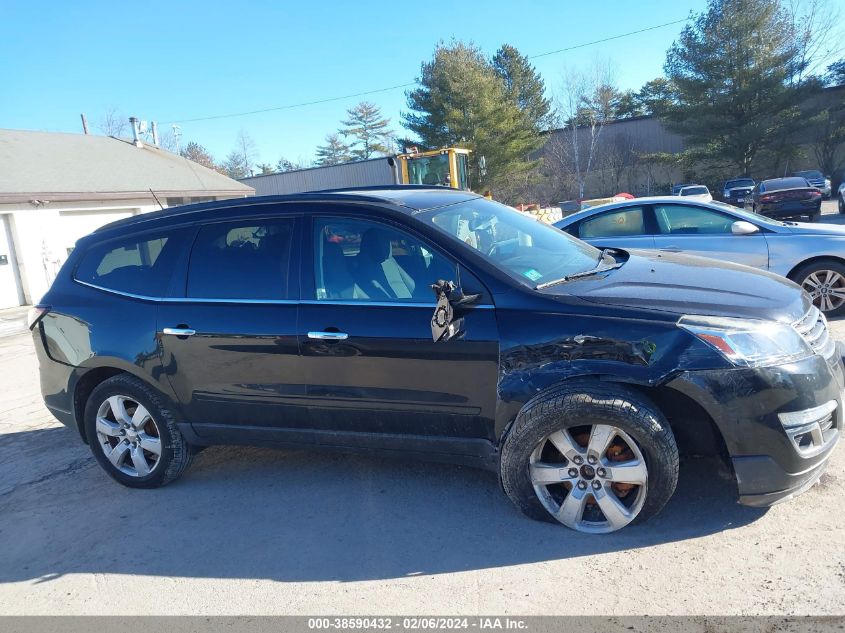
{"x":369,"y":129}
{"x":198,"y":154}
{"x":523,"y":86}
{"x":462,"y":101}
{"x":736,"y":76}
{"x":334,"y":152}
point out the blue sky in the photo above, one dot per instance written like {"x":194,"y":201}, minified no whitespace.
{"x":170,"y":61}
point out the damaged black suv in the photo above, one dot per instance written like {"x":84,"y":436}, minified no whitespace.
{"x":433,"y":322}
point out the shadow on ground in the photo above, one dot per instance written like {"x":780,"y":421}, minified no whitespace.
{"x":297,"y":516}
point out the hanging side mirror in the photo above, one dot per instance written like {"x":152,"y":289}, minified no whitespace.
{"x":452,"y":303}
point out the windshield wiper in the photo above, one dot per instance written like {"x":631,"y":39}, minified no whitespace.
{"x":598,"y":268}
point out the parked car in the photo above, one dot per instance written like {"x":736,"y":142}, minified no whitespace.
{"x":781,"y":198}
{"x":840,"y":196}
{"x":735,"y":191}
{"x":696,"y":192}
{"x":676,"y":190}
{"x":817,"y":180}
{"x":577,"y":374}
{"x":811,"y":255}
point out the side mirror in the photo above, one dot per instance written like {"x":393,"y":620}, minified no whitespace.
{"x":741,"y":227}
{"x":452,"y":303}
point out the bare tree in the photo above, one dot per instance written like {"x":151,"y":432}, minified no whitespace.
{"x":113,"y":123}
{"x":816,"y":41}
{"x":585,"y":104}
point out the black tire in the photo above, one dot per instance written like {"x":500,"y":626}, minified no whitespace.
{"x":816,"y":217}
{"x":176,"y":453}
{"x":576,"y":404}
{"x":800,"y":274}
{"x":842,"y":203}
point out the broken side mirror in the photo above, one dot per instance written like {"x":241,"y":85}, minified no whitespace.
{"x":451,"y":303}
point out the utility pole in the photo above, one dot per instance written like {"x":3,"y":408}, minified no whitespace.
{"x":84,"y":123}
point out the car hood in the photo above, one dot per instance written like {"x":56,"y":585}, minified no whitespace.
{"x":680,"y":284}
{"x":807,"y":228}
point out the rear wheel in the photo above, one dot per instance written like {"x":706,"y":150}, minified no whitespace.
{"x":842,"y":202}
{"x":591,"y":457}
{"x":133,"y":435}
{"x":824,"y":281}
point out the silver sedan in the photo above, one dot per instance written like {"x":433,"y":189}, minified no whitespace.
{"x":811,"y":255}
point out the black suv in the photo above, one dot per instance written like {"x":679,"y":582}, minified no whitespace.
{"x":418,"y":321}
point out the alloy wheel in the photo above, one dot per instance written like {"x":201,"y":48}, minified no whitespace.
{"x":591,"y":478}
{"x":827,"y":289}
{"x":128,"y":436}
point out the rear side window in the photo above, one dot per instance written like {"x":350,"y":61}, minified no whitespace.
{"x":140,"y":265}
{"x":614,"y":223}
{"x":241,"y":260}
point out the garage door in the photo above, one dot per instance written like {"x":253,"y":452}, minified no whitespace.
{"x":10,"y":294}
{"x":76,"y":224}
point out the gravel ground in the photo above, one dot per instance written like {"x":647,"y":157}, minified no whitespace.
{"x":250,"y":531}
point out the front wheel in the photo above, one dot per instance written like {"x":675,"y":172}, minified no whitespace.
{"x":824,"y":281}
{"x":133,"y":435}
{"x":842,"y":203}
{"x":591,"y":457}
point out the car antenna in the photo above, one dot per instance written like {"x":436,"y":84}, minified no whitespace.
{"x":156,"y":198}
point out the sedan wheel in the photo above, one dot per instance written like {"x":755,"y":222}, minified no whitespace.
{"x":590,"y":478}
{"x":827,"y":289}
{"x":128,"y":435}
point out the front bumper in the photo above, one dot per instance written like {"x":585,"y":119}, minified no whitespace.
{"x":747,"y":406}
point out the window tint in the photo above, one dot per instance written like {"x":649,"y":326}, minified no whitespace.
{"x":363,"y":260}
{"x":679,"y":219}
{"x":241,"y":260}
{"x":615,"y":223}
{"x":138,"y":265}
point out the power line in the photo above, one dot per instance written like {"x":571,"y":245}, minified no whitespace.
{"x":408,"y":85}
{"x":607,"y":39}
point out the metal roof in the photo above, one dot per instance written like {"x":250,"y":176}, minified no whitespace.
{"x":60,"y":166}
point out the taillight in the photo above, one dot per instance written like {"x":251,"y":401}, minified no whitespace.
{"x":35,"y":314}
{"x":766,"y":198}
{"x":815,"y":194}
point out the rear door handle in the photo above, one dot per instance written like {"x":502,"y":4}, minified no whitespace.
{"x":178,"y":331}
{"x":328,"y":336}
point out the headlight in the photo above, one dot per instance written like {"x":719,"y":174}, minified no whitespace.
{"x":747,"y":342}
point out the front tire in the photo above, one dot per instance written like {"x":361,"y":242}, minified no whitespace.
{"x":133,"y":435}
{"x":825,"y":282}
{"x":842,"y":203}
{"x":593,"y":457}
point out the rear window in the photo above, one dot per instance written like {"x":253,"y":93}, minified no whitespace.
{"x":815,"y":175}
{"x":784,"y":183}
{"x":140,"y":265}
{"x":241,"y":260}
{"x":694,"y":191}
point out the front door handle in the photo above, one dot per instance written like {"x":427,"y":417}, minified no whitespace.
{"x":328,"y":336}
{"x":178,"y":331}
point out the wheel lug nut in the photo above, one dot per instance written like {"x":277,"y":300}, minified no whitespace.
{"x":601,"y":472}
{"x":596,"y":485}
{"x":591,"y":459}
{"x":578,"y":459}
{"x":582,"y":484}
{"x":573,"y":472}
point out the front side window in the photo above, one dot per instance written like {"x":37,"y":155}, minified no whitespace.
{"x":524,"y":248}
{"x":135,"y":265}
{"x":241,"y":260}
{"x":614,"y":224}
{"x":363,"y":260}
{"x":679,"y":219}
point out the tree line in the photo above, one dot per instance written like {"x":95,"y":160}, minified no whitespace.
{"x":741,"y":85}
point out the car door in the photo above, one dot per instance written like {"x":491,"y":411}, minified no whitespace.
{"x":704,"y":231}
{"x":228,"y":337}
{"x":628,"y":227}
{"x":372,"y":373}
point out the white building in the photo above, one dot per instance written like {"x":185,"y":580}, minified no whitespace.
{"x":56,"y":188}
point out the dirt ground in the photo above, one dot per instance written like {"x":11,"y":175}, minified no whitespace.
{"x":250,"y":531}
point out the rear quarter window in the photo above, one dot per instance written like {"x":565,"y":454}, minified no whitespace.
{"x":140,"y":265}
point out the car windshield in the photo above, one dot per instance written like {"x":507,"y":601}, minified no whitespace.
{"x":815,"y":175}
{"x":740,"y":182}
{"x":528,"y":250}
{"x":742,"y":214}
{"x":693,"y":191}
